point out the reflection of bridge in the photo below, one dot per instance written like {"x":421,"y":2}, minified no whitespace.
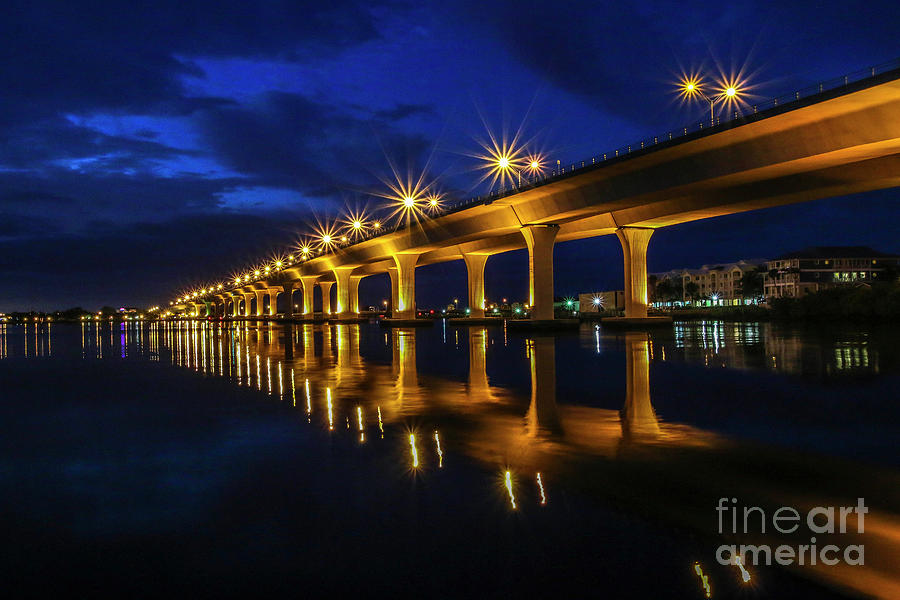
{"x":630,"y":457}
{"x":838,"y":142}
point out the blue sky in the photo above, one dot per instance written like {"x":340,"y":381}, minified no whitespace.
{"x":149,"y":148}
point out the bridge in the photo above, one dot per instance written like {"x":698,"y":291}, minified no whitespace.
{"x":837,"y":140}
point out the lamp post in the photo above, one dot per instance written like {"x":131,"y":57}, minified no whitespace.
{"x":693,"y":88}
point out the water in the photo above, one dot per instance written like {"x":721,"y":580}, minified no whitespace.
{"x":444,"y":461}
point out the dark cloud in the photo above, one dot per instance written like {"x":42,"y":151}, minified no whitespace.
{"x":403,"y":111}
{"x":289,"y":140}
{"x":130,"y":57}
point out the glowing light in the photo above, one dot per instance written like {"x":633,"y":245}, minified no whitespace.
{"x":541,"y":488}
{"x":503,"y":162}
{"x":278,"y":264}
{"x":343,"y":238}
{"x":308,"y":399}
{"x":305,"y":250}
{"x":413,"y":451}
{"x":380,"y":423}
{"x":509,"y":488}
{"x":437,"y":440}
{"x":357,"y":225}
{"x":267,"y":269}
{"x":326,"y":239}
{"x":359,"y":417}
{"x":409,"y":201}
{"x":376,"y":225}
{"x":745,"y":576}
{"x":704,"y":580}
{"x":730,"y":91}
{"x":330,"y":411}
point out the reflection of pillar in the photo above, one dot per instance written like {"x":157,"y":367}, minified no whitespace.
{"x":287,"y":332}
{"x":260,"y":302}
{"x":406,"y":285}
{"x":638,"y":416}
{"x":309,"y":345}
{"x":309,"y":283}
{"x":342,"y":280}
{"x":289,"y":294}
{"x":354,"y":293}
{"x":543,"y":416}
{"x":325,"y":286}
{"x":405,"y":357}
{"x":342,"y":341}
{"x":477,"y":358}
{"x":395,"y":289}
{"x":355,"y":358}
{"x":539,"y":239}
{"x":475,"y":267}
{"x":273,"y":300}
{"x":634,"y":242}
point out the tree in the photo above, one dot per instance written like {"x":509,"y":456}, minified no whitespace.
{"x":751,"y":283}
{"x":665,"y":290}
{"x":692,"y":290}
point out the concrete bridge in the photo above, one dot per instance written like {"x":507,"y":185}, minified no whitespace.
{"x":840,"y":141}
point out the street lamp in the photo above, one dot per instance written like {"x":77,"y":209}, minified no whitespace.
{"x":694,"y":87}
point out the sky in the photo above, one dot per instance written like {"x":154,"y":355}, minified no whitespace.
{"x":147,"y":148}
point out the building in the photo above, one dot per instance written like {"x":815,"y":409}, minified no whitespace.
{"x":716,"y":285}
{"x":807,"y":271}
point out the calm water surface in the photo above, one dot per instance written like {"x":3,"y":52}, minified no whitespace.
{"x":315,"y":460}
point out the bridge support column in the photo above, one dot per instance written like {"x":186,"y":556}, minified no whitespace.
{"x":325,"y":286}
{"x":289,"y":292}
{"x":395,"y":290}
{"x":273,"y":300}
{"x":354,"y":293}
{"x":475,"y":268}
{"x":634,"y":242}
{"x":406,"y":285}
{"x":342,"y":279}
{"x":260,"y":295}
{"x":309,"y":284}
{"x":236,"y":305}
{"x":540,"y":239}
{"x":247,"y":297}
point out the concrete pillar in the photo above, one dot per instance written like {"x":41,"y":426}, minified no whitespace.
{"x":235,"y":305}
{"x":260,"y":308}
{"x":247,"y":297}
{"x":406,"y":285}
{"x":354,"y":293}
{"x":273,"y":300}
{"x":325,"y":286}
{"x":288,"y":289}
{"x":342,"y":279}
{"x":634,"y":242}
{"x":638,"y":417}
{"x":309,"y":283}
{"x":475,"y":267}
{"x":395,"y":289}
{"x":539,"y":239}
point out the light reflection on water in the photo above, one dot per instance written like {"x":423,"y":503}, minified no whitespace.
{"x":674,"y":469}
